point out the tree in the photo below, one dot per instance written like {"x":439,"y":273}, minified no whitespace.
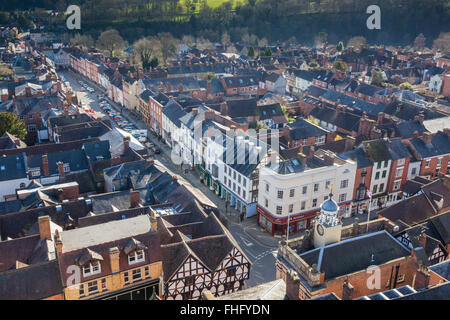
{"x":419,"y":42}
{"x":154,"y":62}
{"x":356,"y":42}
{"x":377,"y":78}
{"x":321,"y":39}
{"x":111,"y":41}
{"x":145,"y":49}
{"x":406,"y":86}
{"x":266,"y":53}
{"x":167,"y":45}
{"x":263,"y":43}
{"x":225,"y":40}
{"x":189,"y":4}
{"x":204,"y":44}
{"x":4,"y":18}
{"x":5,"y":72}
{"x":82,"y":40}
{"x":442,"y":43}
{"x":9,"y":122}
{"x":340,"y":66}
{"x":340,"y":46}
{"x":188,"y":40}
{"x":313,"y":64}
{"x":251,"y":52}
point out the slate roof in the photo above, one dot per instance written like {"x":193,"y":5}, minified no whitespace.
{"x":409,"y":211}
{"x":442,"y":269}
{"x":438,"y":292}
{"x":105,"y":202}
{"x":407,"y":111}
{"x":33,"y":282}
{"x":359,"y":156}
{"x":302,"y":129}
{"x":25,"y":106}
{"x":341,"y":119}
{"x":406,"y":129}
{"x":240,"y":81}
{"x":75,"y":158}
{"x":440,"y":145}
{"x":270,"y":111}
{"x":12,"y":167}
{"x":97,"y":149}
{"x":8,"y":141}
{"x":242,"y":108}
{"x":398,"y":150}
{"x":103,"y":233}
{"x":189,"y":83}
{"x":173,"y":111}
{"x":355,"y":254}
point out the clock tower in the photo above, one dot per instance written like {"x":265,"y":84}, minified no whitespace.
{"x":327,"y":225}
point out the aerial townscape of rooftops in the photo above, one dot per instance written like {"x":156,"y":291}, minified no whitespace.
{"x":212,"y":150}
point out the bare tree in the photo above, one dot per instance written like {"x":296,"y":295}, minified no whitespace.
{"x":356,"y":42}
{"x":419,"y":42}
{"x":204,"y":44}
{"x":225,"y":40}
{"x":188,"y":40}
{"x":167,"y":45}
{"x":110,"y":40}
{"x":145,"y":49}
{"x":82,"y":40}
{"x":442,"y":43}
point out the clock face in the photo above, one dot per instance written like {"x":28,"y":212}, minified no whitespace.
{"x":320,"y":229}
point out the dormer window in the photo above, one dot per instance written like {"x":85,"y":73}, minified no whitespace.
{"x":91,"y":269}
{"x":136,"y":257}
{"x":89,"y":262}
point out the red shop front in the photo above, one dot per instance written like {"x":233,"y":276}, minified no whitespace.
{"x":274,"y":225}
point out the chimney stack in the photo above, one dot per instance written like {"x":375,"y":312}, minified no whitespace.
{"x":224,"y":108}
{"x":45,"y":165}
{"x":149,"y":162}
{"x":422,"y":279}
{"x":349,"y":143}
{"x":421,"y":117}
{"x":126,"y":143}
{"x":347,"y":291}
{"x":168,"y":87}
{"x":311,"y":151}
{"x":380,"y":118}
{"x":427,"y":137}
{"x":194,"y":111}
{"x":44,"y":228}
{"x":135,"y":198}
{"x":302,"y":158}
{"x":60,"y":169}
{"x":114,"y":254}
{"x":60,"y":194}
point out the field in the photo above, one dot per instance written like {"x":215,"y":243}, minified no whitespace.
{"x":213,"y":3}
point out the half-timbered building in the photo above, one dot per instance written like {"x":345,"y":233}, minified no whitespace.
{"x":200,"y":254}
{"x":431,"y":236}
